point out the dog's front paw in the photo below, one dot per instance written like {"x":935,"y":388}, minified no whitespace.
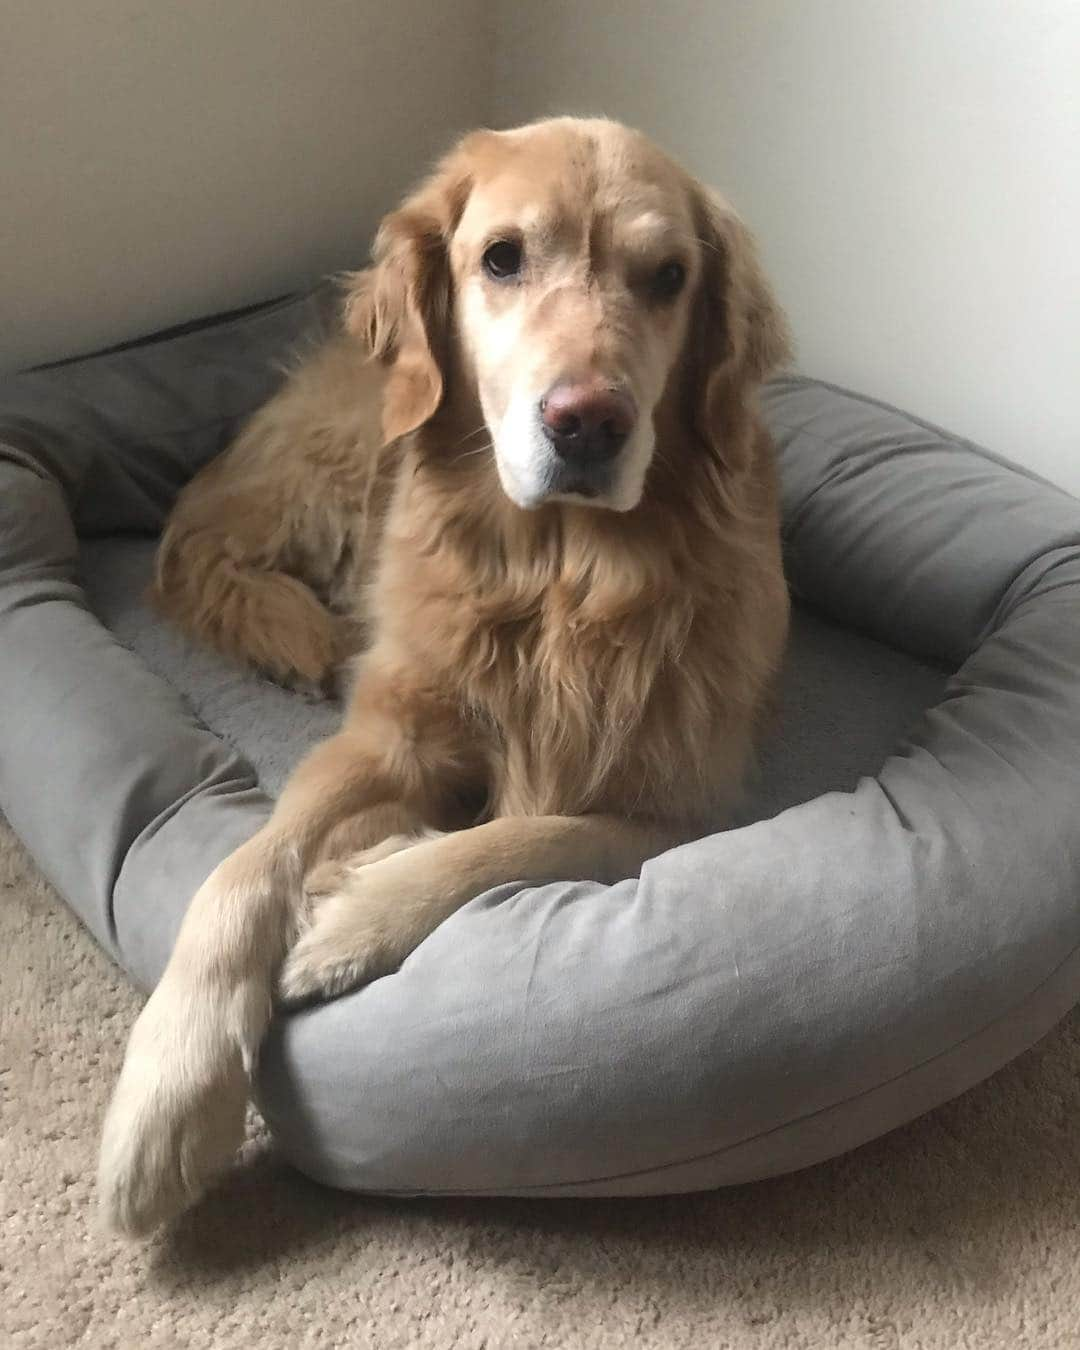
{"x":177,"y":1115}
{"x":342,"y":947}
{"x":364,"y":916}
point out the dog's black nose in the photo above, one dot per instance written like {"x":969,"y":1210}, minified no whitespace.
{"x":587,"y":423}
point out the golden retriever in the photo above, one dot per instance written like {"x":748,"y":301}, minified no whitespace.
{"x":530,"y":481}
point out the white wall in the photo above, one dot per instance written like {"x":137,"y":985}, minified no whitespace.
{"x":912,"y":168}
{"x":160,"y":160}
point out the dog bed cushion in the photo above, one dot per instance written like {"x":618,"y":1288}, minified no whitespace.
{"x":894,"y":916}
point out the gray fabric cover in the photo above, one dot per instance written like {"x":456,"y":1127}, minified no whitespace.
{"x":897,"y":917}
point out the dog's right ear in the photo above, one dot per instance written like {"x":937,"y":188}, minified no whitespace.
{"x":401,"y":307}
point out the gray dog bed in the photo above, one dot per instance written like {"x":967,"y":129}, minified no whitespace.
{"x":896,"y":915}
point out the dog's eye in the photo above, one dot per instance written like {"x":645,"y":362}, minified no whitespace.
{"x":502,"y":259}
{"x":669,"y":280}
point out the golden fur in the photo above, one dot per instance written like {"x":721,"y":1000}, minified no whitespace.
{"x":585,"y":681}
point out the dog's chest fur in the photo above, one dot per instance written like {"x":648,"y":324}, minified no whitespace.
{"x":594,"y":672}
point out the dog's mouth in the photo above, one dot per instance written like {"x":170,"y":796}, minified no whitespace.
{"x":571,"y":482}
{"x":578,"y":488}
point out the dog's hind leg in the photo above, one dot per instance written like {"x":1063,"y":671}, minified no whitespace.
{"x":222,"y":589}
{"x":265,"y":537}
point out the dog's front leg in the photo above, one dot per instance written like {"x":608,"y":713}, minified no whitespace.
{"x":371,"y":911}
{"x":177,"y":1115}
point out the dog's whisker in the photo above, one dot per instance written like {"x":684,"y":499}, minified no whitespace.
{"x":480,"y":450}
{"x":469,"y":435}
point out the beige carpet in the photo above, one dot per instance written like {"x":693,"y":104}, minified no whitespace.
{"x":961,"y":1230}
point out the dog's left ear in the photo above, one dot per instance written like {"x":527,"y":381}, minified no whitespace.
{"x":741,"y":332}
{"x":401,"y":307}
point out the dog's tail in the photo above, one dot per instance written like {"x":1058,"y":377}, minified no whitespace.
{"x":251,"y":613}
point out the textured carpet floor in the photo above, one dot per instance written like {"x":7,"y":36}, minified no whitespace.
{"x":962,"y":1230}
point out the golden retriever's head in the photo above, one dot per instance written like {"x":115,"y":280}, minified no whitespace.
{"x":572,"y":274}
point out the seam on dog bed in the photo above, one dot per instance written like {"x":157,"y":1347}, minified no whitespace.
{"x":24,"y":458}
{"x":209,"y":323}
